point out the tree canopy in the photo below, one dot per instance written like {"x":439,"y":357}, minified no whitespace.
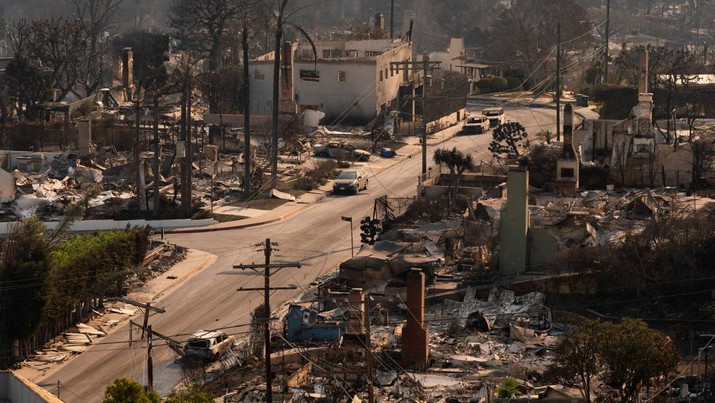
{"x":507,"y":138}
{"x":525,"y":30}
{"x":124,"y":390}
{"x":627,"y":356}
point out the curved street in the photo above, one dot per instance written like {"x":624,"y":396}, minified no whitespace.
{"x":316,"y":237}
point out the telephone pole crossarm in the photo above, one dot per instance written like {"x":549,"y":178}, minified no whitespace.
{"x":242,"y":266}
{"x":263,"y":289}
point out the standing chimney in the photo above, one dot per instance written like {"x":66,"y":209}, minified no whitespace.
{"x":643,"y":72}
{"x":380,"y":21}
{"x":567,"y":150}
{"x":128,"y":73}
{"x":567,"y":166}
{"x":644,"y":109}
{"x":356,"y":305}
{"x":415,"y":347}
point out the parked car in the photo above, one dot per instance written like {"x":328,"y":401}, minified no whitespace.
{"x":496,"y":116}
{"x":350,"y":181}
{"x":476,"y":125}
{"x":342,"y":151}
{"x":208,"y":346}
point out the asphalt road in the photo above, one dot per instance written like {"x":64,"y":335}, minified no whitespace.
{"x":316,"y":237}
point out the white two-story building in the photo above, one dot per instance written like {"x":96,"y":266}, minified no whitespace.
{"x":350,"y":81}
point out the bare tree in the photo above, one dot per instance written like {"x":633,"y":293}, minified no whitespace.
{"x":55,"y":45}
{"x":525,"y":31}
{"x":204,"y":27}
{"x":98,"y":17}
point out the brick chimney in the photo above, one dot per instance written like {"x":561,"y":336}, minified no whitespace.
{"x":128,"y":73}
{"x":356,"y":305}
{"x":415,"y":340}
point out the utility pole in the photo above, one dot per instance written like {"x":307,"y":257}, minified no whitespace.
{"x":147,"y":308}
{"x":558,"y":82}
{"x":425,"y":84}
{"x":149,"y":362}
{"x":392,"y":19}
{"x":155,"y":163}
{"x":426,"y":67}
{"x":246,"y":114}
{"x":368,"y":351}
{"x":608,"y":32}
{"x":137,"y":154}
{"x":267,"y":304}
{"x":189,"y":160}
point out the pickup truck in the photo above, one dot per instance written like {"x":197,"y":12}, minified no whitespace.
{"x":340,"y":150}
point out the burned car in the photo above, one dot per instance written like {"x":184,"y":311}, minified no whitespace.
{"x":341,"y":151}
{"x":208,"y":345}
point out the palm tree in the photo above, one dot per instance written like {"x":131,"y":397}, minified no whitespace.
{"x":457,"y":162}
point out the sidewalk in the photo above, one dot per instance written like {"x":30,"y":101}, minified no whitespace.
{"x":290,"y":209}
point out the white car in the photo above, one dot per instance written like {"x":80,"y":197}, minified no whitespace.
{"x":476,"y":124}
{"x":496,"y":116}
{"x":350,"y":181}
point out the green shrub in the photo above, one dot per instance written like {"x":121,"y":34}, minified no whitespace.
{"x":513,"y":82}
{"x":509,"y":387}
{"x":492,"y":84}
{"x":93,"y":265}
{"x":618,"y":101}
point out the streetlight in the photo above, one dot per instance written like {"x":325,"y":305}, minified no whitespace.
{"x":350,"y":220}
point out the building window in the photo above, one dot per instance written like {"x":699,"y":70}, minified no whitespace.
{"x":310,"y":75}
{"x":386,"y":73}
{"x":380,"y":75}
{"x":567,"y":172}
{"x":341,"y":76}
{"x":369,"y":53}
{"x":333,"y":53}
{"x":259,"y":75}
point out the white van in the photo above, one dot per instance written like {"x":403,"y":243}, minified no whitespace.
{"x":496,"y":116}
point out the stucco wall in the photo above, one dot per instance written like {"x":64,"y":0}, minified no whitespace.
{"x":357,"y":97}
{"x":17,"y":389}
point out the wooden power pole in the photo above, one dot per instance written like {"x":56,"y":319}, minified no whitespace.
{"x":426,"y":67}
{"x":149,"y":362}
{"x":267,"y":304}
{"x":558,"y":82}
{"x":368,"y":352}
{"x":608,"y":34}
